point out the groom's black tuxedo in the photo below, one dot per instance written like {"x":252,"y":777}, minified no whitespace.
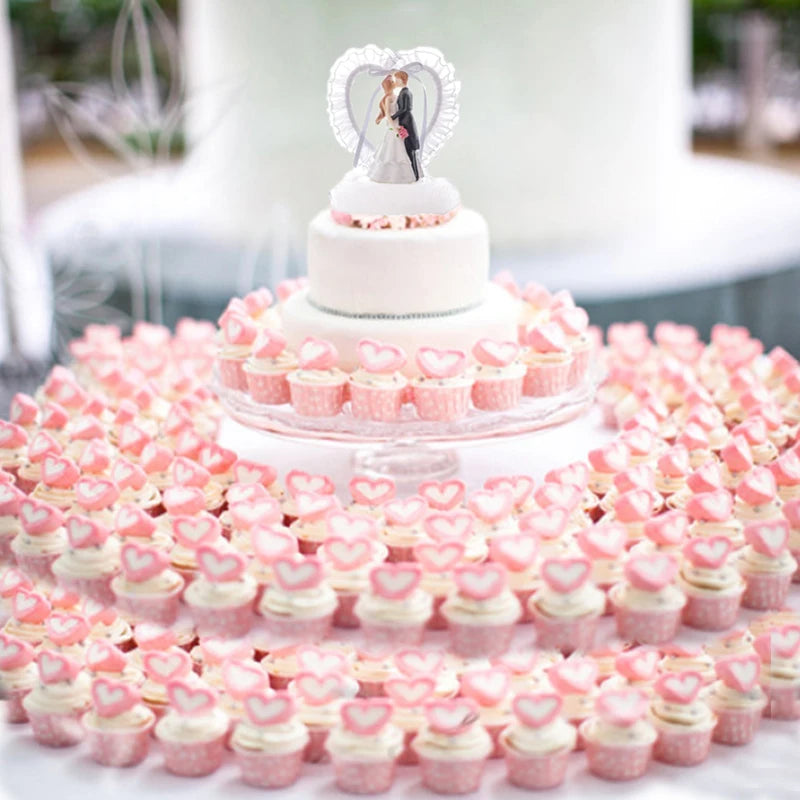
{"x":405,"y":118}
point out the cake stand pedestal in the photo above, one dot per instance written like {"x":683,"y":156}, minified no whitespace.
{"x":411,"y":450}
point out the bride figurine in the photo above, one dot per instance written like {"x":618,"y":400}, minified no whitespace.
{"x":393,"y":162}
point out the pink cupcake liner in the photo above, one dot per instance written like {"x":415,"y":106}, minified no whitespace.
{"x":706,"y":613}
{"x":384,"y":637}
{"x":311,"y":400}
{"x":308,"y":547}
{"x":306,"y":631}
{"x":271,"y":390}
{"x":379,"y":404}
{"x":441,"y":403}
{"x":399,"y":553}
{"x":26,"y":485}
{"x":647,"y":627}
{"x":766,"y":591}
{"x":497,"y":395}
{"x":437,"y":622}
{"x":162,"y":610}
{"x":495,"y":731}
{"x":371,"y":688}
{"x":193,"y":759}
{"x":451,"y":777}
{"x":536,"y":771}
{"x":524,"y":595}
{"x":580,"y":741}
{"x":796,"y":557}
{"x":232,"y":622}
{"x":736,"y":726}
{"x":315,"y":749}
{"x":57,"y":730}
{"x":277,"y":682}
{"x":618,"y":763}
{"x":269,"y":771}
{"x":480,"y":641}
{"x":15,"y":710}
{"x":344,"y":616}
{"x":97,"y":588}
{"x":188,"y":574}
{"x":119,"y":748}
{"x":682,"y":748}
{"x":408,"y":757}
{"x":546,"y":380}
{"x":232,"y":374}
{"x":783,"y":702}
{"x":364,"y":777}
{"x":582,"y":358}
{"x":567,"y":635}
{"x":38,"y":566}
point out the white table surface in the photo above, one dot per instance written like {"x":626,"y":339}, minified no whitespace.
{"x":768,"y":769}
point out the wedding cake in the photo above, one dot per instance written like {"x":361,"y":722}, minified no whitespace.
{"x":397,"y":319}
{"x":396,"y":258}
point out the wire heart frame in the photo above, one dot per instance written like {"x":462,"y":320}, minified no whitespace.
{"x":424,"y":65}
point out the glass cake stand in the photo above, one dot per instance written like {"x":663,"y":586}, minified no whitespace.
{"x":411,"y":450}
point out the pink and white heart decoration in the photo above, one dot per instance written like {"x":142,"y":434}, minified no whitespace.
{"x":537,"y":709}
{"x":189,"y":699}
{"x":366,"y":717}
{"x":395,"y":581}
{"x":266,"y":707}
{"x":112,"y":698}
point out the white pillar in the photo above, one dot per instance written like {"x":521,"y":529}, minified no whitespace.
{"x":25,"y":302}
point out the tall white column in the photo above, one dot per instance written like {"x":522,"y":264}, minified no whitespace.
{"x":25,"y":303}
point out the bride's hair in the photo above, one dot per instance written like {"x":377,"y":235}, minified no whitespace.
{"x":387,"y":83}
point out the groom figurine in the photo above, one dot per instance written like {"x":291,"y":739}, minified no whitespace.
{"x":405,"y":118}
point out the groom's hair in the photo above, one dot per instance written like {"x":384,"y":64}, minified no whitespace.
{"x":401,"y":76}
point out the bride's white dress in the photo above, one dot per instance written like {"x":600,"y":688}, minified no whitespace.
{"x":391,"y":164}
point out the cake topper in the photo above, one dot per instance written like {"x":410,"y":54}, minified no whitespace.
{"x":405,"y":147}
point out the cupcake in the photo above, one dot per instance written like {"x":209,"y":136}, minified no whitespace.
{"x":348,"y":562}
{"x":490,"y":688}
{"x":188,"y":474}
{"x":443,"y":495}
{"x":57,"y":486}
{"x":147,"y":589}
{"x":442,"y":392}
{"x":378,"y":388}
{"x":57,"y":702}
{"x":210,"y":654}
{"x":666,"y":533}
{"x":457,"y":526}
{"x":684,"y":722}
{"x":521,"y":486}
{"x":452,"y":747}
{"x":96,"y":497}
{"x":395,"y":610}
{"x":634,"y":669}
{"x":192,"y":733}
{"x":118,"y":725}
{"x":483,"y":611}
{"x":321,"y":696}
{"x":791,"y":511}
{"x":786,"y":471}
{"x":443,"y":668}
{"x":711,"y":583}
{"x":409,"y":694}
{"x":606,"y":462}
{"x":244,"y":515}
{"x":695,"y":439}
{"x":619,"y":740}
{"x":269,"y":740}
{"x":268,"y":542}
{"x":105,"y":660}
{"x":548,"y":361}
{"x":29,"y":613}
{"x":499,"y":375}
{"x":757,"y":497}
{"x":239,"y":333}
{"x":766,"y":564}
{"x":267,"y":368}
{"x":90,"y":563}
{"x":24,"y":411}
{"x":712,"y":515}
{"x":737,"y":642}
{"x":13,"y":446}
{"x":66,"y":633}
{"x":42,"y":539}
{"x":518,"y":554}
{"x":370,"y":496}
{"x":18,"y":675}
{"x":604,"y":545}
{"x":574,"y":321}
{"x":736,"y":699}
{"x":437,"y":560}
{"x":364,"y":746}
{"x":30,"y":472}
{"x":648,"y":605}
{"x":402,"y":527}
{"x":221,"y":599}
{"x":575,"y":679}
{"x":672,"y":469}
{"x":135,"y":487}
{"x":10,"y":525}
{"x":537,"y":744}
{"x":161,"y":666}
{"x":311,"y":525}
{"x":317,"y":388}
{"x":494,"y":512}
{"x":566,"y":609}
{"x":12,"y":579}
{"x":754,"y":429}
{"x":299,"y":605}
{"x":779,"y":652}
{"x":633,"y":509}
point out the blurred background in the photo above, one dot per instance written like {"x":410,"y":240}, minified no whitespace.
{"x":158,"y":157}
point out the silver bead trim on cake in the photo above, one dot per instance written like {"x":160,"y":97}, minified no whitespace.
{"x":420,"y":315}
